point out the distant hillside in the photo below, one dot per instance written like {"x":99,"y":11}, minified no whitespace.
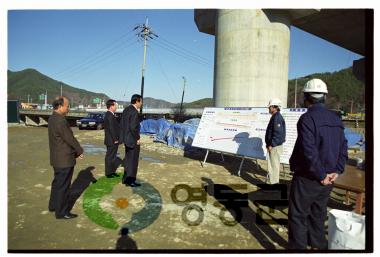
{"x":34,"y":83}
{"x":150,"y":102}
{"x":205,"y":102}
{"x":344,"y":89}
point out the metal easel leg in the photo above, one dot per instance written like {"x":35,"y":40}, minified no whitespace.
{"x":204,"y":161}
{"x":241,"y":165}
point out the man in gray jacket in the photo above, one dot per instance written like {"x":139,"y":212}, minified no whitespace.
{"x":64,"y":149}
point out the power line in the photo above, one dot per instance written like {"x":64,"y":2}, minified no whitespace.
{"x":99,"y":60}
{"x":185,"y":53}
{"x":89,"y":57}
{"x":102,"y":64}
{"x":180,"y":54}
{"x":163,"y":72}
{"x":96,"y":59}
{"x":185,"y":50}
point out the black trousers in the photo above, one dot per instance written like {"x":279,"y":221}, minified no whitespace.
{"x":111,"y":159}
{"x":60,"y":191}
{"x":307,"y":213}
{"x":131,"y":163}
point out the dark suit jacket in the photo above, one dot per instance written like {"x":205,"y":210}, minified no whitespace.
{"x":130,"y":127}
{"x":111,"y":129}
{"x":64,"y":148}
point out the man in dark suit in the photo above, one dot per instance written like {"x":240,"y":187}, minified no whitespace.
{"x":64,"y":149}
{"x":130,"y":136}
{"x":111,"y":140}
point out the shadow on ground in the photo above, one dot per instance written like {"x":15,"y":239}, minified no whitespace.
{"x":124,"y":242}
{"x":236,"y":204}
{"x":229,"y":162}
{"x":79,"y":185}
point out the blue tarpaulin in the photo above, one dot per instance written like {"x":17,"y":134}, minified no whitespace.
{"x":353,"y":139}
{"x":178,"y":135}
{"x":151,"y":126}
{"x":181,"y":135}
{"x":193,"y":122}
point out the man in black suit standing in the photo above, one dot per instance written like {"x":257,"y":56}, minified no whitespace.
{"x":111,"y":140}
{"x":64,"y":149}
{"x":130,"y":136}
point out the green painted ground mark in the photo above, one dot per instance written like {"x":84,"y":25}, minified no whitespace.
{"x":140,"y":220}
{"x":151,"y":210}
{"x":91,"y":202}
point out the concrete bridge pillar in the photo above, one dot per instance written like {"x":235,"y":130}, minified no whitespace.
{"x":251,"y":57}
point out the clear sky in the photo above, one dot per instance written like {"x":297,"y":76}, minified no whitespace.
{"x":98,"y":50}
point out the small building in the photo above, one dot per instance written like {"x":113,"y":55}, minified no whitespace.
{"x":13,"y":111}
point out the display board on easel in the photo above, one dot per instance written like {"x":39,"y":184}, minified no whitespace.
{"x":241,"y":131}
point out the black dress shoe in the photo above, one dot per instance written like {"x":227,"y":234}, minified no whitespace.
{"x":68,"y":216}
{"x":134,"y":184}
{"x":50,"y":210}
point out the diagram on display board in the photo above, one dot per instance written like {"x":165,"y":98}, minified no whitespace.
{"x":241,"y":131}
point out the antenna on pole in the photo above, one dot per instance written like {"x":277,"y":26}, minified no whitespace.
{"x":183,"y":93}
{"x":144,"y":32}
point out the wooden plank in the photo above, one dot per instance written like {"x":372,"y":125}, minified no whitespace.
{"x":353,"y":179}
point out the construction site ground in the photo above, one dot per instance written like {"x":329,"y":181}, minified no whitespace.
{"x":181,"y":204}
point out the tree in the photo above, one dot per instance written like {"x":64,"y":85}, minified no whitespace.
{"x":179,"y":115}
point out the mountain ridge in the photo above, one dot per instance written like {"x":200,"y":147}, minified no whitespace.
{"x":345,"y":91}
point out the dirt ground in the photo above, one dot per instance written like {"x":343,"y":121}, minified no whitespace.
{"x":224,"y":211}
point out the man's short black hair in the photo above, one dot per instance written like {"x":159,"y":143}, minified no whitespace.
{"x":58,"y":102}
{"x":110,"y":102}
{"x":313,"y":100}
{"x":135,"y":98}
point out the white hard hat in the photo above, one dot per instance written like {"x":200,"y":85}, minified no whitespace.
{"x":274,"y":102}
{"x":315,"y":86}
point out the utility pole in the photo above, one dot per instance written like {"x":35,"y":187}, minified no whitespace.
{"x":46,"y":99}
{"x":295,"y":95}
{"x":145,"y":33}
{"x":61,"y":87}
{"x":28,"y":98}
{"x":183,"y":93}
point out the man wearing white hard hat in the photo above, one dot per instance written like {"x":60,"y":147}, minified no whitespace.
{"x":274,"y":138}
{"x":319,"y":155}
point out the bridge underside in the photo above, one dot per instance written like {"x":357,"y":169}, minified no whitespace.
{"x":252,"y":48}
{"x":343,"y":27}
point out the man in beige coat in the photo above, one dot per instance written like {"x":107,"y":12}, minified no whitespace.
{"x":64,"y":149}
{"x":274,"y":139}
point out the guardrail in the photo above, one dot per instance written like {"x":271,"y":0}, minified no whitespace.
{"x":40,"y":117}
